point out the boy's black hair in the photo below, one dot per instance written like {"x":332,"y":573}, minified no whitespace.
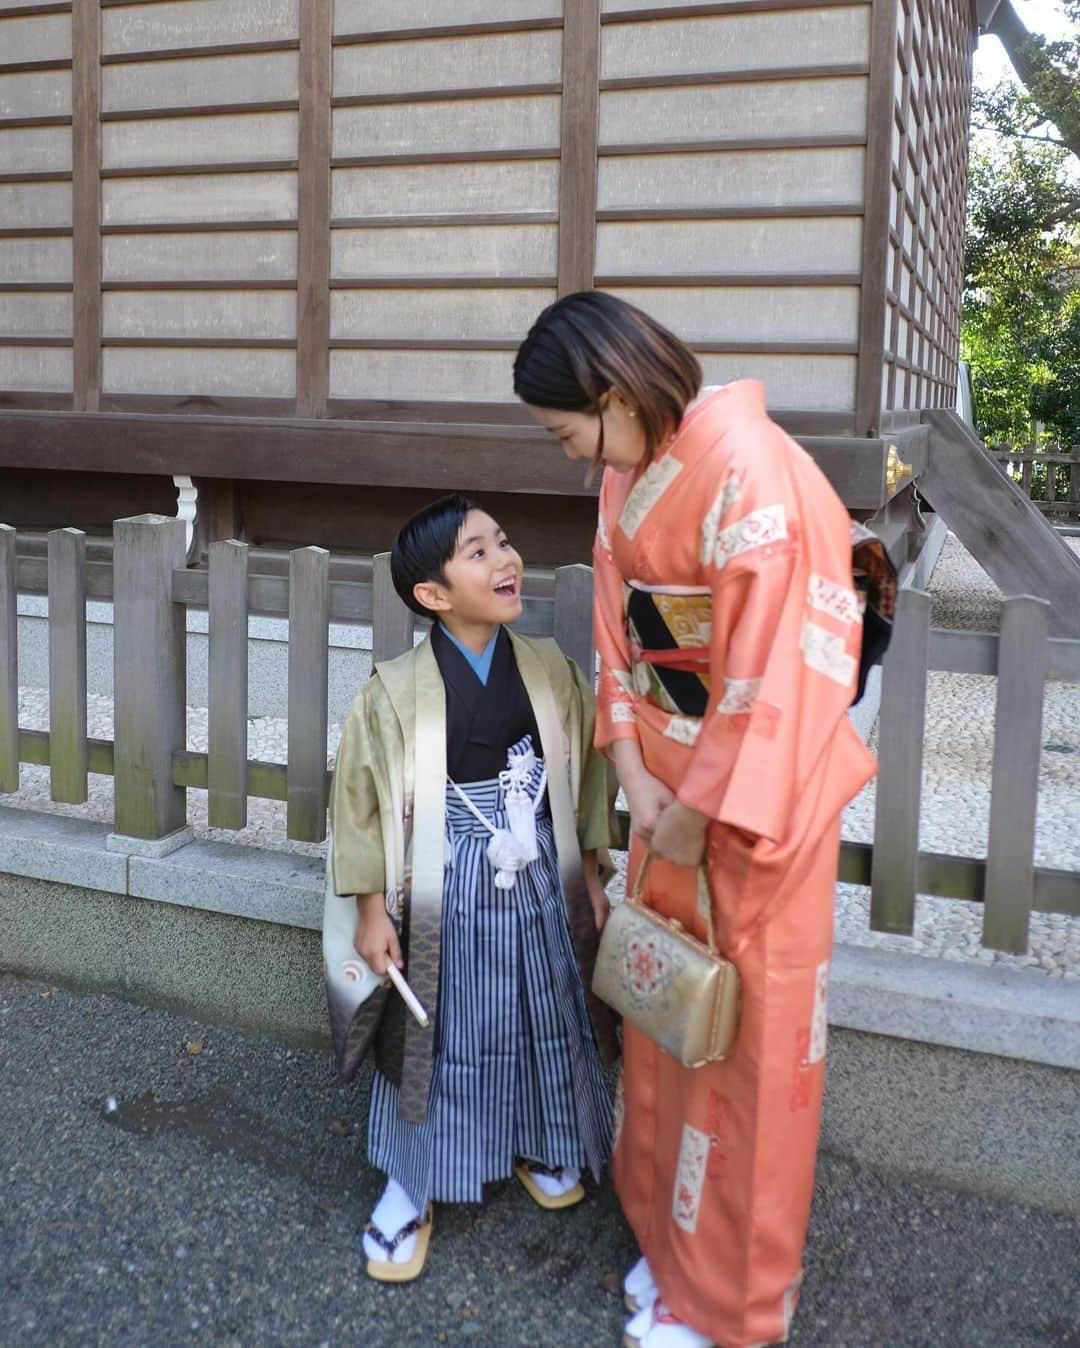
{"x":425,"y":544}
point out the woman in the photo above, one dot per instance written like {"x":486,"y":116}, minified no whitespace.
{"x":729,"y":634}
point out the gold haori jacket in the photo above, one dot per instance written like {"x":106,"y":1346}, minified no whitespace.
{"x":387,"y":833}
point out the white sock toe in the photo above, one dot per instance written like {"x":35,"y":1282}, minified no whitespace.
{"x":393,"y":1211}
{"x":639,"y":1278}
{"x":554,"y":1186}
{"x":640,"y":1324}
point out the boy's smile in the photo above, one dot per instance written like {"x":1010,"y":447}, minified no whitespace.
{"x":482,"y":586}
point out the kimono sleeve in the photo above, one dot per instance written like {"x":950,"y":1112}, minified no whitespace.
{"x":598,"y":787}
{"x":359,"y":864}
{"x":743,"y":770}
{"x":615,"y":703}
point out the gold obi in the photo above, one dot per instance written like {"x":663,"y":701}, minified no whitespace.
{"x":670,"y":632}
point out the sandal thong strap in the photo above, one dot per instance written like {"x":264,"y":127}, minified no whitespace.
{"x":390,"y":1245}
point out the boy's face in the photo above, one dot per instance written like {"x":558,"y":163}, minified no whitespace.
{"x":483,"y":578}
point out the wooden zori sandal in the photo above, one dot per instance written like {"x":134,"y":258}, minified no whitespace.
{"x":385,"y":1270}
{"x":525,"y":1170}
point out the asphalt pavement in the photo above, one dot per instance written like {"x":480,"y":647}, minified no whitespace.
{"x":164,"y":1183}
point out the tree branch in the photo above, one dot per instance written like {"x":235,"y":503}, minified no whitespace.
{"x":1068,"y":210}
{"x":1050,"y":88}
{"x":1017,"y":135}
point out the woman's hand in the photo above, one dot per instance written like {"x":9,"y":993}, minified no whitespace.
{"x":646,"y":795}
{"x":376,"y":940}
{"x":597,"y":897}
{"x":680,"y":835}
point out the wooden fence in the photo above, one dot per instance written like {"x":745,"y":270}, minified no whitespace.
{"x":1049,"y":477}
{"x":153,"y":769}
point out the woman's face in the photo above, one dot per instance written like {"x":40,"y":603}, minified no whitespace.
{"x":613,"y":437}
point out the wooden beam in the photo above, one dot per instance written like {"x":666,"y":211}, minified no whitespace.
{"x":86,"y":202}
{"x":1004,"y":531}
{"x":748,"y":75}
{"x":446,"y":30}
{"x":313,"y":242}
{"x":454,"y":456}
{"x":580,"y":133}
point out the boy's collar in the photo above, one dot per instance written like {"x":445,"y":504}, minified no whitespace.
{"x":480,"y":664}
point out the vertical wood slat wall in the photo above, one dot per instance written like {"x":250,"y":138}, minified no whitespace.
{"x":929,"y":105}
{"x":348,"y":207}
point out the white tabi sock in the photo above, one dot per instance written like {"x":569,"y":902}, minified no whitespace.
{"x":639,"y":1278}
{"x":393,"y":1211}
{"x":554,"y":1186}
{"x":640,"y":1285}
{"x":639,"y":1325}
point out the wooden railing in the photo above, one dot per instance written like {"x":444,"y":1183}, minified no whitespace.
{"x":1049,"y":477}
{"x":153,"y":769}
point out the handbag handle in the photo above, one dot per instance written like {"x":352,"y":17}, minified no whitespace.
{"x":703,"y":884}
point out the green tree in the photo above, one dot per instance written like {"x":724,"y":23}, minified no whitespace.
{"x":1048,"y":70}
{"x":1021,"y":319}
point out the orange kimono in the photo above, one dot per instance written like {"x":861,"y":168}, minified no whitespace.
{"x":736,"y":550}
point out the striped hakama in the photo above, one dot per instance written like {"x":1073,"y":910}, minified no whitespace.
{"x":515,"y":1070}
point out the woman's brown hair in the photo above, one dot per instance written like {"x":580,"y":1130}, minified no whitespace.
{"x":586,"y":344}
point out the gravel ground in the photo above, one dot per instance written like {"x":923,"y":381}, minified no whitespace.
{"x":218,"y":1205}
{"x":956,"y":789}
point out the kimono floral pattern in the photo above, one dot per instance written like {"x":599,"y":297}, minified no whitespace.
{"x":755,"y":530}
{"x":728,"y":495}
{"x":651,"y":486}
{"x":739,"y":696}
{"x":690,"y":1177}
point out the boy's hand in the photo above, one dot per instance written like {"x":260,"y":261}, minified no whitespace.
{"x":597,"y":897}
{"x":376,"y":939}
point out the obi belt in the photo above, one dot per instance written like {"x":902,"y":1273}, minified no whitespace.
{"x":670,"y":630}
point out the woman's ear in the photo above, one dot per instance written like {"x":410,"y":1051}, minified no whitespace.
{"x":431,"y":595}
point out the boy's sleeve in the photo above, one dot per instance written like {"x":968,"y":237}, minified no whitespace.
{"x":596,"y":797}
{"x":359,"y":865}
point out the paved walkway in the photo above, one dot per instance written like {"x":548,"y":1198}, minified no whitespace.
{"x":217,"y":1204}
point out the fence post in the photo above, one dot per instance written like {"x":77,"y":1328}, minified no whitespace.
{"x":309,"y":638}
{"x":1014,"y":791}
{"x":573,"y":624}
{"x":149,"y":683}
{"x":226,"y":768}
{"x":392,"y":622}
{"x":894,"y":870}
{"x":68,"y":749}
{"x":9,"y":663}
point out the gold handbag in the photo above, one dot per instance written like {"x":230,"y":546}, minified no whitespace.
{"x":665,"y":982}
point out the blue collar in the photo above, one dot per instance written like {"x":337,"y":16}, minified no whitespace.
{"x":480,"y":664}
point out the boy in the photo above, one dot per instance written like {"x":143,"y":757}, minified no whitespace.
{"x":466,"y":814}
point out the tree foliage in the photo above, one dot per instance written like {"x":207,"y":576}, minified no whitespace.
{"x":1021,"y":319}
{"x":1048,"y":70}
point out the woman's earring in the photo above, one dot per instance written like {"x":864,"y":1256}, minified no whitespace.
{"x":631,"y":414}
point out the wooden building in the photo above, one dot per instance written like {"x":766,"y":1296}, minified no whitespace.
{"x":287,"y":247}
